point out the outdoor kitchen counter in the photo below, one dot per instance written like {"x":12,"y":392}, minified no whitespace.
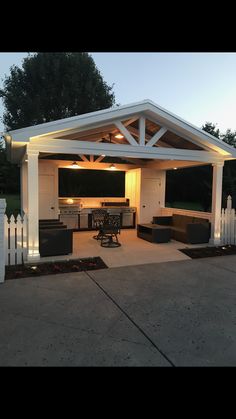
{"x":127,"y":214}
{"x":102,"y":207}
{"x":81,"y":218}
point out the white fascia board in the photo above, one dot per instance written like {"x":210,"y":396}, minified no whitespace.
{"x":86,"y":147}
{"x":107,"y":115}
{"x":79,"y":121}
{"x":165,"y":116}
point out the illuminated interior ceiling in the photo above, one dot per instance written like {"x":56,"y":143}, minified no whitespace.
{"x":169,"y":139}
{"x":107,"y":134}
{"x":104,"y":134}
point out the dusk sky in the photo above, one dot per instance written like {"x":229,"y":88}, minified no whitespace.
{"x":198,"y":87}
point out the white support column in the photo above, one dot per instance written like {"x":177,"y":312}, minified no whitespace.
{"x":33,"y":207}
{"x":216,"y":203}
{"x":2,"y":239}
{"x":24,"y":187}
{"x":142,"y":132}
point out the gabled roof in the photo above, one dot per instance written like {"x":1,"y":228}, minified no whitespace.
{"x":104,"y":117}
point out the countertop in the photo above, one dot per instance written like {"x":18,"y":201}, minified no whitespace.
{"x":110,"y":207}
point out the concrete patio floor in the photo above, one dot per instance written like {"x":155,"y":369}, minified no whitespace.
{"x":180,"y":313}
{"x":133,"y":250}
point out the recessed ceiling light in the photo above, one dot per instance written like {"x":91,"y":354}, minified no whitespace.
{"x":112,"y":167}
{"x":119,"y":136}
{"x":75,"y":165}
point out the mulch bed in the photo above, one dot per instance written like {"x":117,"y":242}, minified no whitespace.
{"x":205,"y":252}
{"x":52,"y":268}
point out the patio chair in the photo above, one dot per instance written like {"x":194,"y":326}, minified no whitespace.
{"x":110,"y":230}
{"x":98,"y":217}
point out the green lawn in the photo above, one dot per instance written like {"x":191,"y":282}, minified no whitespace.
{"x":13,"y":203}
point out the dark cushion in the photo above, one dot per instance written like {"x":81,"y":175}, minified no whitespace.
{"x":53,"y":242}
{"x":197,"y":220}
{"x":186,"y":228}
{"x":198,"y":233}
{"x":162,"y":220}
{"x":179,"y":229}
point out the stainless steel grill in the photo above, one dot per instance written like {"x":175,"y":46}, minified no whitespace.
{"x":69,"y":215}
{"x":69,"y":209}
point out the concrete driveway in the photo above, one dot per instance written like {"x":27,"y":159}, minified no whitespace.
{"x":167,"y":314}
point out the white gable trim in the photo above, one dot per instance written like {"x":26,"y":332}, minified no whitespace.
{"x":145,"y":108}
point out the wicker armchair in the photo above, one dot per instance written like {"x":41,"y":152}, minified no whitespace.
{"x":98,"y":217}
{"x":110,"y":230}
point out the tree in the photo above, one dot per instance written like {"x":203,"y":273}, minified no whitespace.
{"x":229,"y":137}
{"x":229,"y":177}
{"x":52,"y":86}
{"x":211,"y":129}
{"x":9,"y":174}
{"x":195,"y":184}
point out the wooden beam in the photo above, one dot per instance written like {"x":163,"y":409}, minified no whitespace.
{"x":142,"y":126}
{"x":130,"y":121}
{"x":170,"y":164}
{"x":122,"y":150}
{"x":114,"y":131}
{"x":138,"y":162}
{"x":187,"y":138}
{"x":94,"y":165}
{"x":156,"y":137}
{"x":100,"y":158}
{"x":135,"y":131}
{"x":126,"y":133}
{"x":84,"y":158}
{"x":91,"y":158}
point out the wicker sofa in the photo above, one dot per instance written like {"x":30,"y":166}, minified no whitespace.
{"x":185,"y":228}
{"x":54,"y":238}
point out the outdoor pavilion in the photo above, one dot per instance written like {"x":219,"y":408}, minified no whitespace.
{"x":146,"y":138}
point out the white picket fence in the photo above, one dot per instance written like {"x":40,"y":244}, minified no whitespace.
{"x":15,"y":232}
{"x":228,"y":224}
